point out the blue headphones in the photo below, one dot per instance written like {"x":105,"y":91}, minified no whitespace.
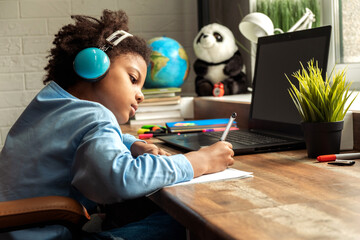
{"x":92,"y":64}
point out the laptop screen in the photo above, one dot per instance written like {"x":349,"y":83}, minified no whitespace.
{"x":272,"y":107}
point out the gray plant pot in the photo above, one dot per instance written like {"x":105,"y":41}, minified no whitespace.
{"x":322,"y":138}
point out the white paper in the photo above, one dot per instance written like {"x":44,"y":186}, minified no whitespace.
{"x":228,"y":173}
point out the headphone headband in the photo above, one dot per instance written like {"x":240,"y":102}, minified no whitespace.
{"x":115,"y":38}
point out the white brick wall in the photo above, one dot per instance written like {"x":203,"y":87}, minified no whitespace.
{"x":27,"y":28}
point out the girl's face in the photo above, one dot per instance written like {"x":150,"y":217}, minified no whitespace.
{"x":120,"y":90}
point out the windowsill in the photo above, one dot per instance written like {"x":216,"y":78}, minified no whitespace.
{"x":356,"y":104}
{"x":246,"y":97}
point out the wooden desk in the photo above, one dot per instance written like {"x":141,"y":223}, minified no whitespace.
{"x":289,"y":197}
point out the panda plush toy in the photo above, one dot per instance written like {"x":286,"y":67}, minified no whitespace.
{"x":219,"y":66}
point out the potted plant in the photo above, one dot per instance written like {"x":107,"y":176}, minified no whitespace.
{"x":322,"y":106}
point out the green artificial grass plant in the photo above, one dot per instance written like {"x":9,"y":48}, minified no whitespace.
{"x":285,"y":13}
{"x":318,"y":100}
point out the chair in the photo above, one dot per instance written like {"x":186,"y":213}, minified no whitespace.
{"x":40,"y":211}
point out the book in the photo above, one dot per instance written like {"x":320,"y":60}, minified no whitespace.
{"x":160,"y":95}
{"x":161,"y":99}
{"x":154,"y":91}
{"x":158,"y":115}
{"x":197,"y":125}
{"x":154,"y":121}
{"x":159,"y":103}
{"x":157,"y":108}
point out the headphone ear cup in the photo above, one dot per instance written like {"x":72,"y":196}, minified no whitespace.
{"x":91,"y":64}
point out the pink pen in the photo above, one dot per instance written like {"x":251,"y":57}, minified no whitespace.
{"x":150,"y":135}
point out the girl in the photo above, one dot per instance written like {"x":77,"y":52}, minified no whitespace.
{"x":68,"y":141}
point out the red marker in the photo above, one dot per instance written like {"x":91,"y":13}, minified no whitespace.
{"x":333,"y":157}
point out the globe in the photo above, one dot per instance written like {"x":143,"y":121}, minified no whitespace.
{"x":169,"y":64}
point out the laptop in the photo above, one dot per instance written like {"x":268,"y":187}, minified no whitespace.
{"x":274,"y":123}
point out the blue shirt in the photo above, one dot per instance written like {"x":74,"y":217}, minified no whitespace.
{"x":65,"y":146}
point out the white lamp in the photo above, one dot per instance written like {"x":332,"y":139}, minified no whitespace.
{"x":305,"y":22}
{"x":256,"y":24}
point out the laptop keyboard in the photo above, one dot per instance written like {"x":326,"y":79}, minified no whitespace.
{"x":246,"y":138}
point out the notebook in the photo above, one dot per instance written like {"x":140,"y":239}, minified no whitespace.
{"x":273,"y":115}
{"x":198,"y":125}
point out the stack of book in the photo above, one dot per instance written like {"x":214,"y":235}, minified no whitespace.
{"x":160,"y":105}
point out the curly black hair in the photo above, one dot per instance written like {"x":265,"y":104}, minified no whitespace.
{"x":89,"y":32}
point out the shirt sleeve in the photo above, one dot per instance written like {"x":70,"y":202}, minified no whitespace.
{"x":105,"y":171}
{"x":129,"y":139}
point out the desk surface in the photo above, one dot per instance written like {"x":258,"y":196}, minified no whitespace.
{"x":289,"y":197}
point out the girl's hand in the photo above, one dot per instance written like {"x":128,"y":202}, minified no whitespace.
{"x":210,"y":159}
{"x":139,"y":148}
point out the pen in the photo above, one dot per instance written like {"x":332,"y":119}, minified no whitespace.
{"x":342,"y":162}
{"x":232,"y":118}
{"x":150,"y":135}
{"x":332,"y":157}
{"x":219,"y":129}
